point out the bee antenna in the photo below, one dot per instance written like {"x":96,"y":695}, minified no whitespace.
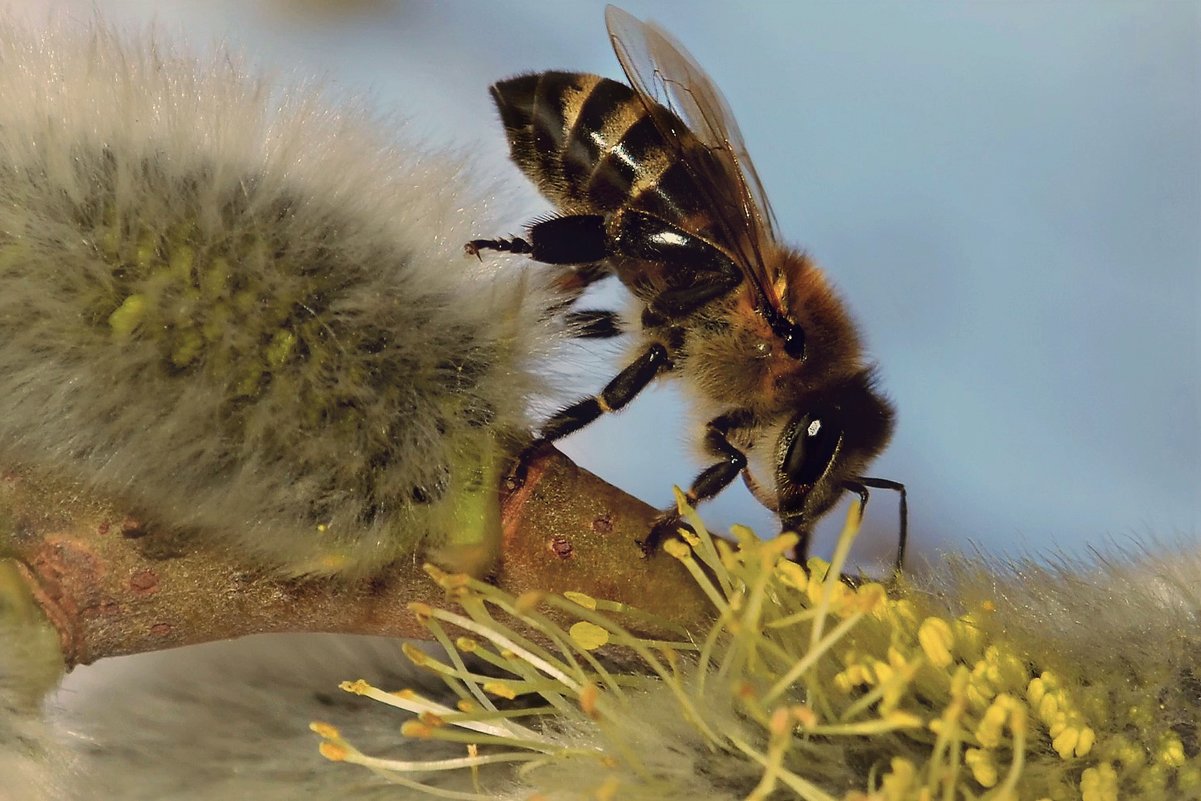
{"x":860,"y":486}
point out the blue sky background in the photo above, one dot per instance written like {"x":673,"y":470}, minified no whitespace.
{"x":1008,"y":195}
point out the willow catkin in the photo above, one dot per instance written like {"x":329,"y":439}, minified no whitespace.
{"x":248,"y":315}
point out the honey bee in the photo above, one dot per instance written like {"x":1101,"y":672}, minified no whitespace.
{"x":653,"y":184}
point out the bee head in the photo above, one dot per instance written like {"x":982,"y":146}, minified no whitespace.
{"x":829,"y":441}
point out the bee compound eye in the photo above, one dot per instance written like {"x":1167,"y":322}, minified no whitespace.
{"x":811,"y":450}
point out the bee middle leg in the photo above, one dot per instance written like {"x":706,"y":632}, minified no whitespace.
{"x":616,"y":394}
{"x":710,"y":481}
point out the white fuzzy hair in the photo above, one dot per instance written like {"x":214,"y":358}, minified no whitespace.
{"x":242,"y":312}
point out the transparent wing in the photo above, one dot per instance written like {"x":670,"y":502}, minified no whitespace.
{"x":676,"y":90}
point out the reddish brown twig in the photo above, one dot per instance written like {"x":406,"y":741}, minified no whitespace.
{"x":110,"y":587}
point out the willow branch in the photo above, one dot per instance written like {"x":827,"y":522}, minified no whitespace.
{"x":111,"y":587}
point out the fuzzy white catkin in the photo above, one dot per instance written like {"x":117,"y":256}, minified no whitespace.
{"x":246,"y":314}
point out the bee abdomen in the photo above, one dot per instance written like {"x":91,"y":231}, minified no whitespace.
{"x":587,"y":142}
{"x":535,"y":111}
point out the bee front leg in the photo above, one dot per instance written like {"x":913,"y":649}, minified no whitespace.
{"x":711,"y":480}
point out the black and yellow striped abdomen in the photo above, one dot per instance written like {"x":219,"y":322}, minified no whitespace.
{"x":591,"y":146}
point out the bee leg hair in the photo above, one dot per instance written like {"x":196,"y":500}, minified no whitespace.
{"x":594,"y":324}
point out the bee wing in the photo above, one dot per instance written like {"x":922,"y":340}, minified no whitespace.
{"x":675,"y":90}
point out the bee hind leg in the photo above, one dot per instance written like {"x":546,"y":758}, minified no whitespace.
{"x":574,"y":239}
{"x":578,"y":243}
{"x":513,"y":244}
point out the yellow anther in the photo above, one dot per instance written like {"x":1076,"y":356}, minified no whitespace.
{"x":936,"y":639}
{"x":982,"y":765}
{"x":992,"y":724}
{"x":588,"y":636}
{"x":1099,"y":783}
